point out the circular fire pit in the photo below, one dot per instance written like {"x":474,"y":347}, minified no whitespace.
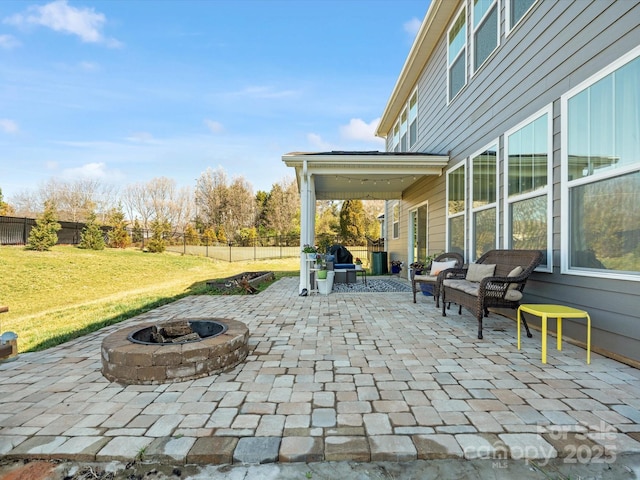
{"x":191,"y":348}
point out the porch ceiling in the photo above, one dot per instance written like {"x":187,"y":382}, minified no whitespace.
{"x":364,"y":175}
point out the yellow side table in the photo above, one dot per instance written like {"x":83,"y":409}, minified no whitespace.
{"x":558,"y":312}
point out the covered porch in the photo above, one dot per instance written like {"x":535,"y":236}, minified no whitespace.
{"x":342,"y":175}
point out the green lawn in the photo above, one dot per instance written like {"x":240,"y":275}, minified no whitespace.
{"x":68,"y":292}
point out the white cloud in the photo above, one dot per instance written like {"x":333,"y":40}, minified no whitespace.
{"x":360,"y":130}
{"x":215,"y":127}
{"x":412,"y":27}
{"x":92,"y":171}
{"x":141,"y":137}
{"x":89,"y":66}
{"x":317,"y":142}
{"x":9,"y":42}
{"x":51,"y":165}
{"x":9,"y":126}
{"x":266,"y":92}
{"x":59,"y":16}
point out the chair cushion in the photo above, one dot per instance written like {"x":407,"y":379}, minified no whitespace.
{"x":472,"y":288}
{"x":341,"y":266}
{"x":437,"y":267}
{"x":514,"y":273}
{"x":478,"y":271}
{"x":426,"y":278}
{"x":466,"y":286}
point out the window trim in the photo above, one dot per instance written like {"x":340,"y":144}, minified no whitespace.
{"x":463,"y":51}
{"x":507,"y":14}
{"x":474,"y":31}
{"x":548,"y":189}
{"x":496,"y":204}
{"x":462,"y":164}
{"x":565,"y":184}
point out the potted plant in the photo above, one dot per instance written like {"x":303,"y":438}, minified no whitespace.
{"x":322,"y":273}
{"x":358,"y":263}
{"x":396,"y":266}
{"x":310,"y":251}
{"x":418,"y":267}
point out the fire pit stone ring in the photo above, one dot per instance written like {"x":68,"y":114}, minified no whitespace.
{"x":128,"y":362}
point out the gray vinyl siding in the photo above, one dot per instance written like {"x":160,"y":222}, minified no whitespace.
{"x":556,"y":46}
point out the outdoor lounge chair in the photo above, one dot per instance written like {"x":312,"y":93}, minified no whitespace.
{"x":499,"y":285}
{"x":435,"y":280}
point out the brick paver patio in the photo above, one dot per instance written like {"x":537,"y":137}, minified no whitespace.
{"x":362,"y":377}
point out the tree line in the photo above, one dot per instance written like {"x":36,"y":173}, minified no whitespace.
{"x":217,"y":210}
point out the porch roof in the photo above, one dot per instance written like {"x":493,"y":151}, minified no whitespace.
{"x":365,"y":175}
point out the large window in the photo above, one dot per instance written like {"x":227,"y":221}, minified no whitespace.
{"x":456,"y":207}
{"x":405,"y":130}
{"x":484,"y":204}
{"x":527,"y":178}
{"x":396,"y":220}
{"x":396,"y":138}
{"x":601,"y":172}
{"x":413,"y":119}
{"x":485,"y":30}
{"x":457,"y":54}
{"x":516,"y":9}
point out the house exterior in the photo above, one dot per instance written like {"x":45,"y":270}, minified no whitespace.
{"x":536,"y":105}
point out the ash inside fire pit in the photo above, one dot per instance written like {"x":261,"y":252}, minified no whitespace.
{"x":177,"y":332}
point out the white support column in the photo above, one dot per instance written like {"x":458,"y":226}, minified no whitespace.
{"x":307,"y":221}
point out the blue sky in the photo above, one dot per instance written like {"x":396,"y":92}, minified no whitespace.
{"x":125,"y":91}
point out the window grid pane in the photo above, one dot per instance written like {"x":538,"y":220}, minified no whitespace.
{"x":484,"y":227}
{"x":486,"y":38}
{"x":457,"y":36}
{"x":605,"y":225}
{"x":484,"y":178}
{"x":456,"y":191}
{"x":456,"y":234}
{"x":604,"y":124}
{"x":529,"y":224}
{"x":528,"y":157}
{"x":457,"y":77}
{"x":518,"y":9}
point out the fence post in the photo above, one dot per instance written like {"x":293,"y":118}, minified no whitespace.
{"x":229,"y":252}
{"x":184,"y":244}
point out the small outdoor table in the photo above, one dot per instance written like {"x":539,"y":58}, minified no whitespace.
{"x":363,"y":271}
{"x":558,"y":312}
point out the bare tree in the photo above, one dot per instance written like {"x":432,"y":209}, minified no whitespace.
{"x":73,"y":200}
{"x":134,"y":200}
{"x":212,"y":197}
{"x":159,"y":200}
{"x":241,"y":206}
{"x":282,"y":206}
{"x":26,"y":204}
